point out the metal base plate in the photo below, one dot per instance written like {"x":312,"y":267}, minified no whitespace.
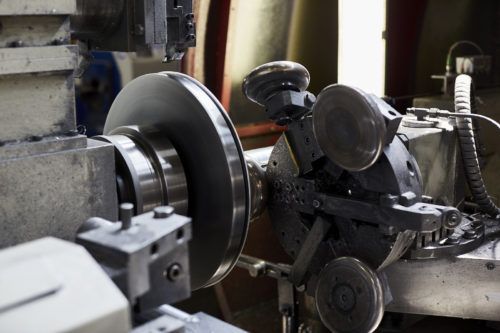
{"x":212,"y":157}
{"x":465,"y":286}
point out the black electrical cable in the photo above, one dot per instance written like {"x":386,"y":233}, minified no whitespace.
{"x":465,"y":104}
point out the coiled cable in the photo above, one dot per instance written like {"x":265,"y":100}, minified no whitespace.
{"x":465,"y":104}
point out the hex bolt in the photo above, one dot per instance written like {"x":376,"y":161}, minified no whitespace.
{"x":490,"y":266}
{"x":452,"y":219}
{"x":407,"y":199}
{"x":126,"y":213}
{"x":452,"y":240}
{"x":173,"y":272}
{"x":163,"y":212}
{"x":470,"y":234}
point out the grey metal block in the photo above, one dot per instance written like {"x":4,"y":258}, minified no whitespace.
{"x":34,"y":31}
{"x":53,"y":194}
{"x":49,"y":285}
{"x":148,"y":260}
{"x":37,"y":7}
{"x":30,"y":60}
{"x":44,"y":146}
{"x":467,"y":286}
{"x":165,"y":324}
{"x":36,"y":105}
{"x":437,"y":153}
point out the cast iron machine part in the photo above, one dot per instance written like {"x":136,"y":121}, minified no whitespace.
{"x":345,"y":194}
{"x":136,"y":26}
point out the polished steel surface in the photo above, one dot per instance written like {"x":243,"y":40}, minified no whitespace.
{"x":348,"y":127}
{"x":212,"y":157}
{"x":349,"y":296}
{"x":257,"y":160}
{"x":157,"y":172}
{"x":145,"y":185}
{"x":258,"y":188}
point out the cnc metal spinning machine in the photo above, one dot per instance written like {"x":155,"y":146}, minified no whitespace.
{"x":378,"y":211}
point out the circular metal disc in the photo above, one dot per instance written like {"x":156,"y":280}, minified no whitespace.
{"x":349,"y":296}
{"x":274,"y":76}
{"x":348,"y":127}
{"x":212,"y":157}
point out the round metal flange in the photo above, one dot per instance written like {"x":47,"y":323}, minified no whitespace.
{"x":349,"y":296}
{"x":349,"y":127}
{"x":262,"y":82}
{"x":149,"y":171}
{"x":195,"y":123}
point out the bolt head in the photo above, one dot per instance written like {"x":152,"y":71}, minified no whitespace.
{"x":173,"y":272}
{"x":452,"y":240}
{"x":453,"y":219}
{"x":470,"y":234}
{"x":163,"y":212}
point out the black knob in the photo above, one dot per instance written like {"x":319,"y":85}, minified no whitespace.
{"x":266,"y":80}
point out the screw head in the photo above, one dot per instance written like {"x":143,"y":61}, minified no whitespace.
{"x":490,"y":266}
{"x":163,"y":212}
{"x":173,"y":272}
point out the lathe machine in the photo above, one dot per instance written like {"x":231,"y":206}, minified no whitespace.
{"x":379,"y":211}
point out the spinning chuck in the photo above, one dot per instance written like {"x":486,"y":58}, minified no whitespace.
{"x":349,"y":296}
